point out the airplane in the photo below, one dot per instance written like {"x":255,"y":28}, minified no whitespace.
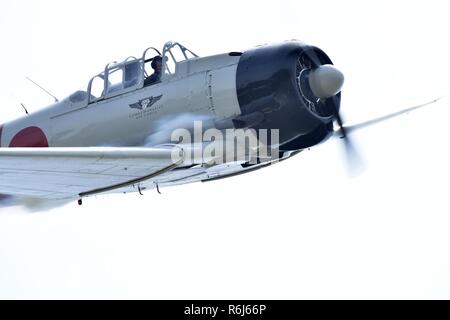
{"x":107,"y":139}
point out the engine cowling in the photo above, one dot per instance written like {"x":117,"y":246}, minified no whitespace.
{"x":296,"y":89}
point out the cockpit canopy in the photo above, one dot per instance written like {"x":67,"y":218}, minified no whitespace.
{"x":129,"y":75}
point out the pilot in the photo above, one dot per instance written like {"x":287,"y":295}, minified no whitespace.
{"x":156,"y":76}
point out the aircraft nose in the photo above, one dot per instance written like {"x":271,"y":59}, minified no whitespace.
{"x":326,"y":81}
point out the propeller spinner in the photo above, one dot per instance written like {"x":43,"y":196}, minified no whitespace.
{"x":325,"y":81}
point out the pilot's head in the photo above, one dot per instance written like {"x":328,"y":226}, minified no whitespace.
{"x":157,"y":63}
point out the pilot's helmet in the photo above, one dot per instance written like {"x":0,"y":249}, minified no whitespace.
{"x":156,"y":59}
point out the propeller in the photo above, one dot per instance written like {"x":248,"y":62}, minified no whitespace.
{"x":353,"y":160}
{"x":326,"y":82}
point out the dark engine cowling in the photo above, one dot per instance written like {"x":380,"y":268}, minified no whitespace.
{"x":271,"y":84}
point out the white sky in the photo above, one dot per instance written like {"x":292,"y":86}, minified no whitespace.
{"x":300,"y":229}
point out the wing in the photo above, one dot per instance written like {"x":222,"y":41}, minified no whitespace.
{"x":70,"y":173}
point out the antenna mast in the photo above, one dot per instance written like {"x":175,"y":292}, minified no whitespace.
{"x":56,"y":99}
{"x":23,"y":106}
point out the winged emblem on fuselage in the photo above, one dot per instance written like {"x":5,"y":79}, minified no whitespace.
{"x":145,"y":103}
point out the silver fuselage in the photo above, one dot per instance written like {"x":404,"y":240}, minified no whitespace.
{"x":203,"y":87}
